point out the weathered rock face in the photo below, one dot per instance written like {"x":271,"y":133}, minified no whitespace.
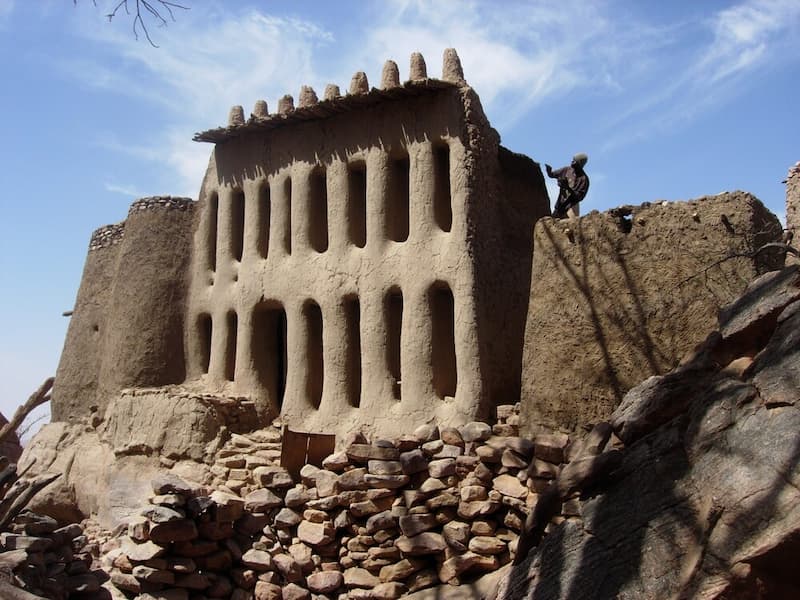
{"x":620,"y":296}
{"x":107,"y":462}
{"x":705,"y":503}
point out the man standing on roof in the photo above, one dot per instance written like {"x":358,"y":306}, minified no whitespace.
{"x":573,"y":183}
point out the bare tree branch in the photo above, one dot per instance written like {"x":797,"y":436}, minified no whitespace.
{"x":20,"y":494}
{"x":158,"y":11}
{"x":38,"y":398}
{"x":28,"y":426}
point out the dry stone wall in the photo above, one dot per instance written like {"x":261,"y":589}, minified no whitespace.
{"x":378,"y":520}
{"x":48,"y":560}
{"x":107,"y":236}
{"x":619,"y":296}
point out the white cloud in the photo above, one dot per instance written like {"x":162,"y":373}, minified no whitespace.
{"x":125,"y":190}
{"x":108,"y":141}
{"x":6,"y":8}
{"x":207,"y":61}
{"x":744,"y":35}
{"x":188,"y":160}
{"x":516,"y":57}
{"x":732,"y":44}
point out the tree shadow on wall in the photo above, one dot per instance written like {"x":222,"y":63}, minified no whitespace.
{"x":642,"y":316}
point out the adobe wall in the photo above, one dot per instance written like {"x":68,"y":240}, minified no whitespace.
{"x":502,"y":254}
{"x":618,"y":296}
{"x":126,"y":329}
{"x":277,"y":258}
{"x":144,"y":348}
{"x":75,"y":386}
{"x":793,"y":209}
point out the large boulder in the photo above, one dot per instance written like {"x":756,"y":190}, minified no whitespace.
{"x":106,"y":469}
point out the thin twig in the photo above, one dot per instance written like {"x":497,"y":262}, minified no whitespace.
{"x":770,"y":246}
{"x":155,"y":8}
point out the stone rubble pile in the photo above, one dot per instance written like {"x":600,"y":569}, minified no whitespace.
{"x":378,"y":520}
{"x":48,"y":560}
{"x":236,"y":465}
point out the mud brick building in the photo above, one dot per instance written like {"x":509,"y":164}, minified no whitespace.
{"x":362,"y":261}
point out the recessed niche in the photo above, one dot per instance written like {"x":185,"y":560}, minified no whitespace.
{"x":357,"y":203}
{"x":315,"y":365}
{"x":442,"y":202}
{"x":318,"y":210}
{"x":264,"y":215}
{"x":204,"y":341}
{"x":269,"y":350}
{"x":352,"y":313}
{"x":237,"y":225}
{"x":443,"y":347}
{"x":212,"y":209}
{"x":287,"y":222}
{"x":393,"y":311}
{"x":397,"y":201}
{"x":231,"y":325}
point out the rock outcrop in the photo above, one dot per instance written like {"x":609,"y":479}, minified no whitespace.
{"x":705,"y":502}
{"x":107,"y":461}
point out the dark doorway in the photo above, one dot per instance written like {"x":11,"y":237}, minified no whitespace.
{"x":269,"y":351}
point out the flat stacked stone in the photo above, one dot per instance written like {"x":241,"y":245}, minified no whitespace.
{"x":108,"y":235}
{"x":48,"y":560}
{"x":161,"y":202}
{"x":377,"y":520}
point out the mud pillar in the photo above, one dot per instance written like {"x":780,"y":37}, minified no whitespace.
{"x":144,"y":342}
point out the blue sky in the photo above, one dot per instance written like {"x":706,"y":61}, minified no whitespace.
{"x":671,"y":100}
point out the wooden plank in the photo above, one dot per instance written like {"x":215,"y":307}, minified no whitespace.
{"x":293,"y":451}
{"x":320,"y":446}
